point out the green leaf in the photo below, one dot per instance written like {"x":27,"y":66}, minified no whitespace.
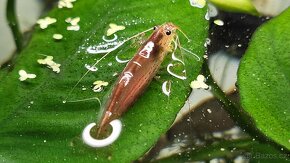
{"x":239,"y":6}
{"x":264,"y":79}
{"x":37,"y":126}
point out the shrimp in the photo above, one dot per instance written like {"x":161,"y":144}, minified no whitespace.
{"x":132,"y":82}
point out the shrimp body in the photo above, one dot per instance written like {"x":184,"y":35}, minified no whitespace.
{"x":138,"y":74}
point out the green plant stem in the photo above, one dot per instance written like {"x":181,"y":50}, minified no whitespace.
{"x":13,"y":24}
{"x":241,"y":118}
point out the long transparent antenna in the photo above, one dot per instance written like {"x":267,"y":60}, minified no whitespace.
{"x":120,"y":44}
{"x":87,"y":99}
{"x":189,"y":40}
{"x":190,"y":52}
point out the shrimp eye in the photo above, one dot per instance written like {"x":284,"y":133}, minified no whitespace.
{"x":154,"y":28}
{"x":168,"y":32}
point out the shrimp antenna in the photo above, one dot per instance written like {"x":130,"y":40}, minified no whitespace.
{"x":189,"y":40}
{"x":198,"y":58}
{"x":117,"y":46}
{"x":87,"y":99}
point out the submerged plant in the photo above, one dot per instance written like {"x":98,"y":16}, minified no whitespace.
{"x":51,"y":108}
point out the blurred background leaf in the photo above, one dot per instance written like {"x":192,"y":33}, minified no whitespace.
{"x":239,"y":6}
{"x":264,"y":79}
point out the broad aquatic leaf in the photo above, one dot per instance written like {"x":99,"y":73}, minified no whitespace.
{"x":35,"y":123}
{"x":264,"y":79}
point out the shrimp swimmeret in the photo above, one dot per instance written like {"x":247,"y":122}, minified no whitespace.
{"x":131,"y":83}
